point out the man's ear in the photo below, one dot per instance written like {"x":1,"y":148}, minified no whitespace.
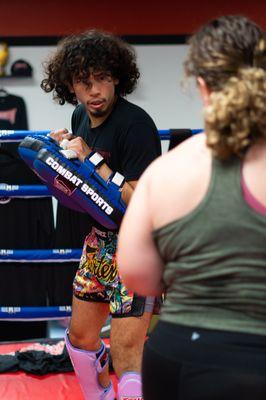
{"x":116,"y":81}
{"x":204,"y":90}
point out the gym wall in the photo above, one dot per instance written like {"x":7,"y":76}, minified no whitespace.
{"x":161,"y":63}
{"x":159,"y":90}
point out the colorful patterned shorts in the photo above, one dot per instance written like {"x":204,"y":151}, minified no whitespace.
{"x":97,"y":276}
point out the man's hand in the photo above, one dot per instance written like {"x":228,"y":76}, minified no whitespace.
{"x":60,"y":135}
{"x":75,"y":143}
{"x":79,"y":146}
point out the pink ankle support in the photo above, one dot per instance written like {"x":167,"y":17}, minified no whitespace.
{"x":87,"y":366}
{"x":130,"y":387}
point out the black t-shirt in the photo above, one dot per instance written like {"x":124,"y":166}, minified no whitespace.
{"x":128,"y":139}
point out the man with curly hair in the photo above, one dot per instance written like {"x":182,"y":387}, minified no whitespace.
{"x":94,"y":71}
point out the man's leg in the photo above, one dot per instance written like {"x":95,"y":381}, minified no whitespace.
{"x":127,"y":341}
{"x":86,"y":349}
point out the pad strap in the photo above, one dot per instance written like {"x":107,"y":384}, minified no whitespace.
{"x":117,"y":179}
{"x":96,"y":159}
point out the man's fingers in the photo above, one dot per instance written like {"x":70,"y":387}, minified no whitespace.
{"x":60,"y":134}
{"x":68,"y":136}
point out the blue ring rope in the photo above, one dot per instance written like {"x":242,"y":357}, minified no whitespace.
{"x":34,"y":313}
{"x":17,"y":136}
{"x":31,"y":191}
{"x":40,"y":255}
{"x":165,"y":134}
{"x":25,"y":191}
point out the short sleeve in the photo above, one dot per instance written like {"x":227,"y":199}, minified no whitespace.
{"x":140,"y":147}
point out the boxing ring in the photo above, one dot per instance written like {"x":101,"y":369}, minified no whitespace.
{"x":20,"y":385}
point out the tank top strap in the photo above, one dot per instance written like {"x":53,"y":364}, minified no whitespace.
{"x":226,"y":180}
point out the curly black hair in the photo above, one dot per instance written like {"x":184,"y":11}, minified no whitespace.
{"x":91,"y":51}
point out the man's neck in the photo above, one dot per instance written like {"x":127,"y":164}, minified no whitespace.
{"x":97,"y":121}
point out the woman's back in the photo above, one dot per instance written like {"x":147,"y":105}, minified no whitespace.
{"x":184,"y":177}
{"x":214,"y":253}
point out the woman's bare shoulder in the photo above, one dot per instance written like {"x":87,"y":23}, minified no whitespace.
{"x":185,"y":154}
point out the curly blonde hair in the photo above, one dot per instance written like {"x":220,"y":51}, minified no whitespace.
{"x":236,"y":115}
{"x":229,"y":53}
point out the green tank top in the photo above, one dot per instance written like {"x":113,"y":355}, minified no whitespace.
{"x":215,"y":260}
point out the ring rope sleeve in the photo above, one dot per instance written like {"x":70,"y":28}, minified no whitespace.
{"x":34,"y":313}
{"x":40,"y":255}
{"x":23,"y":191}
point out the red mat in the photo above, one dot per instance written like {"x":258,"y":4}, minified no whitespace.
{"x":23,"y":386}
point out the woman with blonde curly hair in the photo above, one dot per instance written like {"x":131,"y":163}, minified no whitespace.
{"x":202,"y":237}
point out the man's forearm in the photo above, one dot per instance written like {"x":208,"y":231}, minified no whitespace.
{"x":126,"y":192}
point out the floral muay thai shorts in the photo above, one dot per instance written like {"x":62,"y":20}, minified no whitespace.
{"x":97,"y":278}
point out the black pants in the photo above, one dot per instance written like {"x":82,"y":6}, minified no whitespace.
{"x":196,"y":364}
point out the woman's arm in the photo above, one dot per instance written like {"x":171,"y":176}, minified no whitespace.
{"x":139,"y":262}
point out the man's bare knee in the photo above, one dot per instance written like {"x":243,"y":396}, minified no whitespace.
{"x":86,"y":323}
{"x":83,"y":340}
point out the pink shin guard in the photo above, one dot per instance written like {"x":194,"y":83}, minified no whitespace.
{"x":129,"y":386}
{"x":87,"y":366}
